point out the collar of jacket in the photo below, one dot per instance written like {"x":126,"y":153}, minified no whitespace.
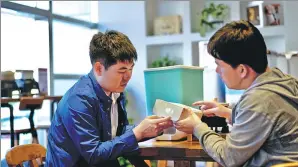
{"x":99,"y":91}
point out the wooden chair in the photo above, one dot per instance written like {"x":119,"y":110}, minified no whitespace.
{"x":33,"y":153}
{"x":291,"y":164}
{"x":32,"y":104}
{"x":26,"y":103}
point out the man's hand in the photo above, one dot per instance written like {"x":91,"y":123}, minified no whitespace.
{"x":212,"y":108}
{"x":152,"y":126}
{"x":188,"y":124}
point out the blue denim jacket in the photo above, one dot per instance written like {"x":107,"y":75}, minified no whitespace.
{"x":80,"y":133}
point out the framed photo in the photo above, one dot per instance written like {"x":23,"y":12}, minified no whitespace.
{"x":253,"y":15}
{"x":273,"y":14}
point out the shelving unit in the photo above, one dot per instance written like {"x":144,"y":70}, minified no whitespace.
{"x":154,"y":9}
{"x":185,"y":47}
{"x":136,"y":20}
{"x":189,"y":37}
{"x":173,"y":51}
{"x":164,"y":39}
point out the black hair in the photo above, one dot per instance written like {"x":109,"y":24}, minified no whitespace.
{"x":239,"y":42}
{"x":111,"y":47}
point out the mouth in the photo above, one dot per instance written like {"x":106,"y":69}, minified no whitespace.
{"x":123,"y":85}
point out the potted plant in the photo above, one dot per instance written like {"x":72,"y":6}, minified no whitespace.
{"x":212,"y":16}
{"x":163,"y":62}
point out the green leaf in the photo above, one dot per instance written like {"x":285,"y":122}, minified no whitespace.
{"x":218,"y":12}
{"x":121,"y":161}
{"x":165,"y":61}
{"x":160,"y":63}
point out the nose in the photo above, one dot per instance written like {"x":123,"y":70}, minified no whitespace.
{"x":217,"y":70}
{"x":127,"y":76}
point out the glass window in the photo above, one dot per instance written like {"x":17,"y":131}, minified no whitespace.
{"x":24,"y":41}
{"x":25,"y":46}
{"x":71,"y":48}
{"x":84,"y":10}
{"x":36,"y":4}
{"x":62,"y":85}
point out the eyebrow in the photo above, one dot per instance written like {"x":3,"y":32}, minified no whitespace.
{"x":125,"y":68}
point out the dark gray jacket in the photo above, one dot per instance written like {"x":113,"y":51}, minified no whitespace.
{"x":265,"y":125}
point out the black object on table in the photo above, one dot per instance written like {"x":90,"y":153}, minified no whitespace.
{"x":215,"y":122}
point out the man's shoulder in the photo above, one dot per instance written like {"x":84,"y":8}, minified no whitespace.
{"x":256,"y":99}
{"x":81,"y":92}
{"x":83,"y":87}
{"x":258,"y":93}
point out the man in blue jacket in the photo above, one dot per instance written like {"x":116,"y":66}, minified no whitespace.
{"x":90,"y":126}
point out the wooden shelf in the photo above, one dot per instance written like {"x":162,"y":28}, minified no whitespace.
{"x":164,"y":39}
{"x":196,"y":37}
{"x":268,"y":31}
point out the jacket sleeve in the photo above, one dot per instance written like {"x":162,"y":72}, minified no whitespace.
{"x":80,"y":123}
{"x":248,"y":134}
{"x":129,"y":128}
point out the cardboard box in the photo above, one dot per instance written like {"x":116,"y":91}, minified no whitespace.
{"x":168,"y":25}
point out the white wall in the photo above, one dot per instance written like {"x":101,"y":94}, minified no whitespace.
{"x":291,"y":25}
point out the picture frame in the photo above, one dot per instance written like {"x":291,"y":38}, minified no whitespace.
{"x":253,"y":15}
{"x":273,"y":14}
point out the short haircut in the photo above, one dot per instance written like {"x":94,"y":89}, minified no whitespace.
{"x":239,"y":42}
{"x":111,"y":47}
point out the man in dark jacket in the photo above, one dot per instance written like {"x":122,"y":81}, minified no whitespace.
{"x":90,"y":126}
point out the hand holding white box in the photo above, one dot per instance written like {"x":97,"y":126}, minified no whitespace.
{"x":175,"y":110}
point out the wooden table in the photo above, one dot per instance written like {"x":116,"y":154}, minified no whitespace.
{"x":9,"y":99}
{"x":183,"y":153}
{"x":54,"y":99}
{"x":5,"y":103}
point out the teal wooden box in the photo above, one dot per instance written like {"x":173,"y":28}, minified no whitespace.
{"x":179,"y":84}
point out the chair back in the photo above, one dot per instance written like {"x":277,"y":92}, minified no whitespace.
{"x":29,"y":103}
{"x":34,"y":153}
{"x":8,"y":88}
{"x":289,"y":164}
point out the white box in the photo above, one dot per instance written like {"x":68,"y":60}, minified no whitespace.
{"x":165,"y":25}
{"x":175,"y":110}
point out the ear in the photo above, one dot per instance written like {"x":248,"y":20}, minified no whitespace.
{"x":243,"y":70}
{"x":99,"y":68}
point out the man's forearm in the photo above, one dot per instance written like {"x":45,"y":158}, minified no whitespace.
{"x":241,"y":143}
